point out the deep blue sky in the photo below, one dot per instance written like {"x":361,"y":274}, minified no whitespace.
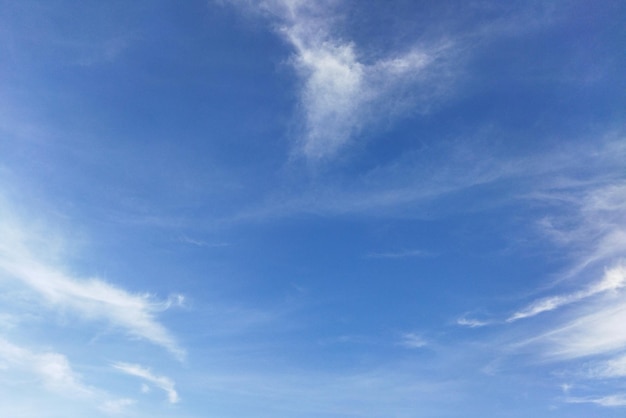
{"x":332,"y":208}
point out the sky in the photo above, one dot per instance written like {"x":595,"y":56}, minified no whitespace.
{"x":331,"y":208}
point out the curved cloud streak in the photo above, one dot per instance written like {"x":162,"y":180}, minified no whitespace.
{"x":90,"y":298}
{"x":161,"y":382}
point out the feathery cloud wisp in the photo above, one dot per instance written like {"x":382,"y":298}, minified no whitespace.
{"x":471,"y":322}
{"x":609,"y":400}
{"x":91,"y":299}
{"x":413,"y":340}
{"x":53,"y":368}
{"x":341,"y":93}
{"x":162,"y":382}
{"x":401,"y":254}
{"x":613,"y":279}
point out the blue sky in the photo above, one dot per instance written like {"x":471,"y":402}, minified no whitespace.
{"x":336,"y":208}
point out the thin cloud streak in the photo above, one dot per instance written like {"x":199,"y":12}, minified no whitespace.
{"x":402,"y":254}
{"x":91,"y":298}
{"x":413,"y":186}
{"x":471,"y":323}
{"x":117,"y":406}
{"x":598,"y":329}
{"x":162,"y":382}
{"x":413,"y":340}
{"x":616,"y":400}
{"x":592,"y":227}
{"x":594,"y":326}
{"x":614,"y":279}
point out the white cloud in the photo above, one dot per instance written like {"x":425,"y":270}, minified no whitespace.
{"x":392,"y":390}
{"x":596,"y":230}
{"x":594,"y":329}
{"x":23,"y":258}
{"x":341,"y":94}
{"x":117,"y":406}
{"x":609,"y":401}
{"x":615,"y":367}
{"x":53,"y":369}
{"x":614,"y":279}
{"x":594,"y":235}
{"x":471,"y":322}
{"x":412,"y":340}
{"x":162,"y":382}
{"x":401,"y":254}
{"x":590,"y":225}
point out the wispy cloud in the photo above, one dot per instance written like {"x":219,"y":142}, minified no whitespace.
{"x":22,"y":259}
{"x":595,"y":329}
{"x":412,"y":340}
{"x":416,"y":184}
{"x":609,"y":400}
{"x":117,"y":406}
{"x":593,"y":230}
{"x":342,"y":93}
{"x":388,"y":391}
{"x":583,"y":215}
{"x":614,"y":279}
{"x":615,"y":367}
{"x":401,"y":254}
{"x":471,"y":322}
{"x":162,"y":382}
{"x":53,"y":369}
{"x":201,"y":243}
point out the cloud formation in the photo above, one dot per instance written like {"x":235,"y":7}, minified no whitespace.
{"x":592,"y":229}
{"x":609,"y":400}
{"x":413,"y":340}
{"x":162,"y":382}
{"x":52,"y":368}
{"x":615,"y":367}
{"x":471,"y":322}
{"x":21,"y":259}
{"x":401,"y":254}
{"x":613,"y":280}
{"x":341,"y":92}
